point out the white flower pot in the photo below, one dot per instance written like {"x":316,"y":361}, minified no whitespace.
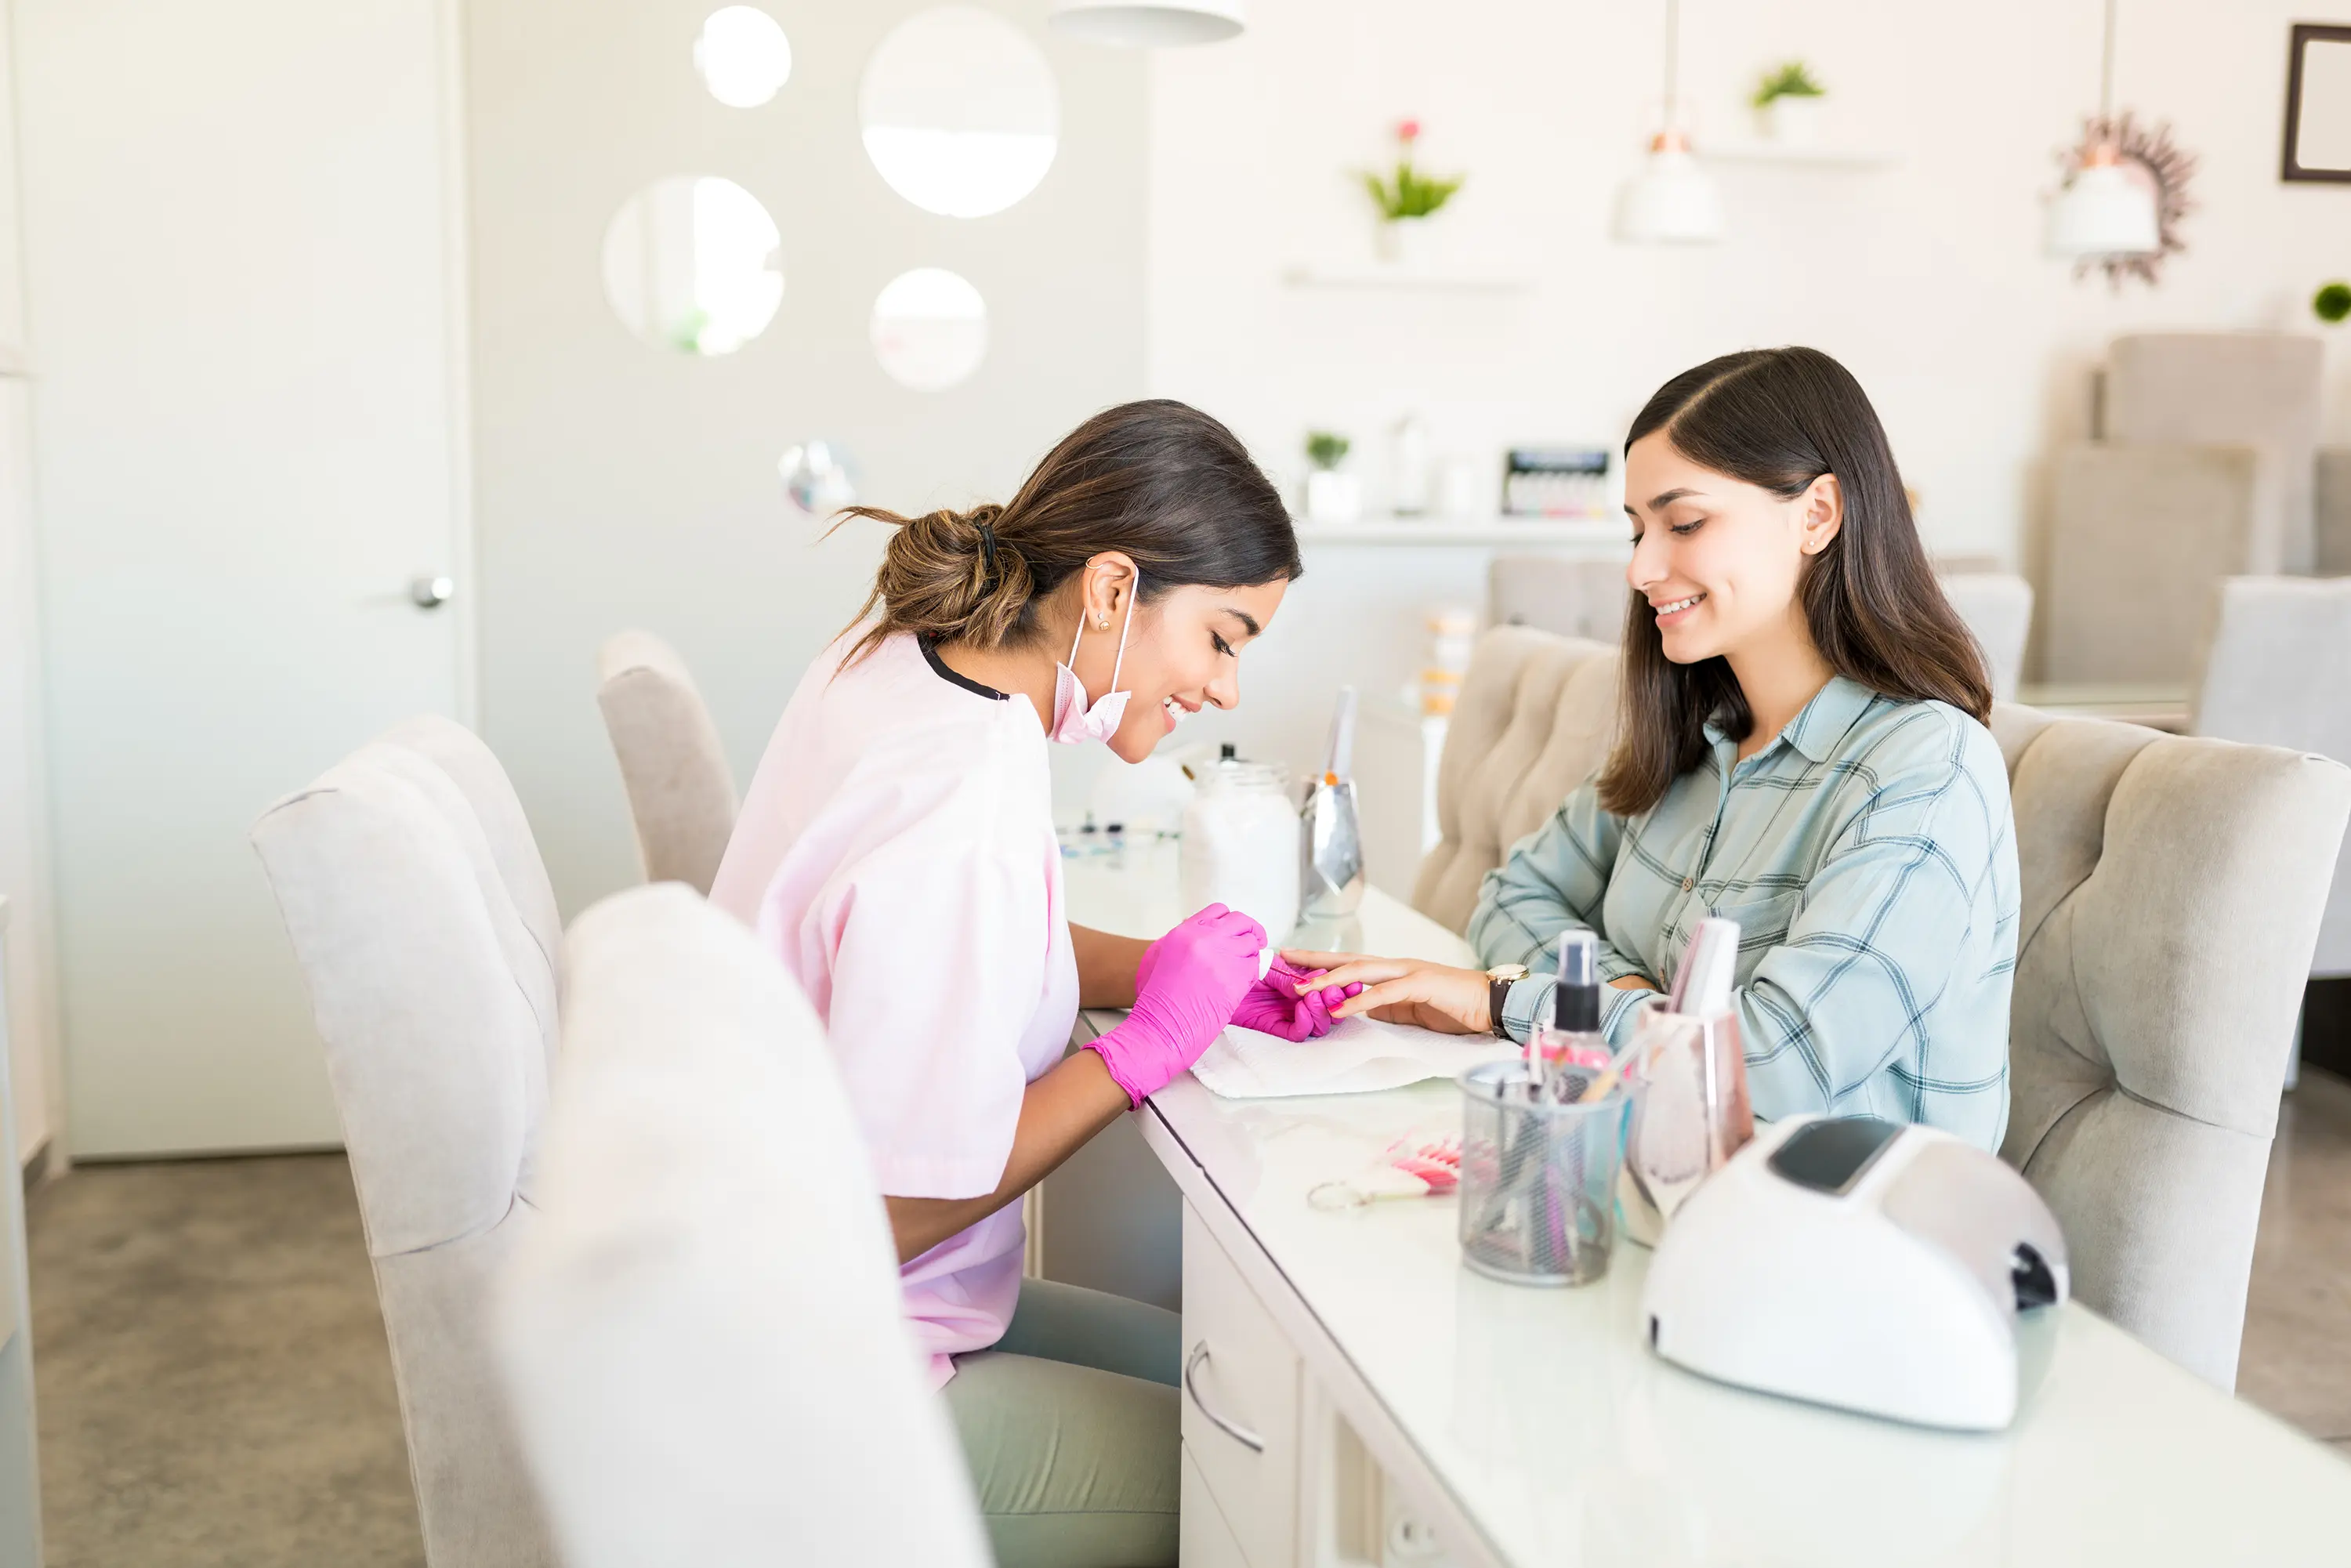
{"x":1333,"y":497}
{"x":1402,"y":243}
{"x":1791,"y":121}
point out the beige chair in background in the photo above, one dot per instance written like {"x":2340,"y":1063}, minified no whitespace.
{"x":2172,"y":890}
{"x":1998,"y":608}
{"x":2203,"y":464}
{"x":681,"y":795}
{"x":2279,"y":673}
{"x":703,"y":1336}
{"x":1534,"y":720}
{"x":427,"y":936}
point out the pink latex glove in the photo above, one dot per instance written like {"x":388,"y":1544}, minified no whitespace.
{"x":1186,"y":988}
{"x":1274,"y":1005}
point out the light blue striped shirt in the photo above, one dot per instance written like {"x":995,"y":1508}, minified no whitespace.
{"x":1868,"y":855}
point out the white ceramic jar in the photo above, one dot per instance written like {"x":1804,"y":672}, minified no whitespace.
{"x":1240,"y":846}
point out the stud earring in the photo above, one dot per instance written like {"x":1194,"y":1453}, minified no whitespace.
{"x":1102,"y":624}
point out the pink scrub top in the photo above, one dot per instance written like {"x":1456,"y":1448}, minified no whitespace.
{"x":896,"y":851}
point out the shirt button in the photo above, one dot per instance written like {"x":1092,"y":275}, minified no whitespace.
{"x":1687,"y":884}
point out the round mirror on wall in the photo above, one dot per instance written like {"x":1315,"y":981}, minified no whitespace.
{"x":960,"y":111}
{"x":690,"y":264}
{"x":743,"y":56}
{"x":929,"y":329}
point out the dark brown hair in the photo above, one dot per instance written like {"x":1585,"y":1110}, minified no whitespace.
{"x":1781,"y":418}
{"x":1159,"y":480}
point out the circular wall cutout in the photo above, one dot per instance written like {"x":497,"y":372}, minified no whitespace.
{"x":960,"y":111}
{"x":690,"y":264}
{"x":743,"y":56}
{"x":929,"y":329}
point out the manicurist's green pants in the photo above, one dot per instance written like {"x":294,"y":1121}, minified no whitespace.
{"x":1069,"y":1425}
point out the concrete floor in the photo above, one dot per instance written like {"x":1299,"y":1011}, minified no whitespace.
{"x":211,"y":1371}
{"x":215,"y":1388}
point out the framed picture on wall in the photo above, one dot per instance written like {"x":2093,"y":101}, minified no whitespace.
{"x":2318,"y":104}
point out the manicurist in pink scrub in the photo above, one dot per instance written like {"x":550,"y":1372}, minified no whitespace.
{"x":896,"y":851}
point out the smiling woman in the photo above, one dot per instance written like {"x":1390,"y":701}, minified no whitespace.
{"x":896,"y":853}
{"x":1802,"y":750}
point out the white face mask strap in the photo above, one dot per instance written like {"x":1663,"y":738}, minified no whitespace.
{"x":1118,"y":662}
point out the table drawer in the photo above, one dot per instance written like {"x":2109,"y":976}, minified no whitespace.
{"x":1240,"y":1402}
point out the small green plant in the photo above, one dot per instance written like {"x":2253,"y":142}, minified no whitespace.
{"x":1326,"y":450}
{"x":2332,"y":303}
{"x":1408,"y":193}
{"x":1793,"y":79}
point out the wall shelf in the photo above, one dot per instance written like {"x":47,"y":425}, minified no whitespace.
{"x":1596,"y":537}
{"x":1853,"y":158}
{"x":1401,"y":276}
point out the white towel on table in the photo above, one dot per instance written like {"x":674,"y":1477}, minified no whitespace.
{"x":1359,"y":1056}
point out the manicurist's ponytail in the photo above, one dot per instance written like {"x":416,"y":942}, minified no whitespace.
{"x":1157,"y":480}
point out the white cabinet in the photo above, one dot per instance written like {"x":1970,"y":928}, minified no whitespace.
{"x":1240,"y":1399}
{"x":1203,"y":1538}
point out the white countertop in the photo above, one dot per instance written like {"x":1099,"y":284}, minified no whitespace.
{"x":1559,"y":1438}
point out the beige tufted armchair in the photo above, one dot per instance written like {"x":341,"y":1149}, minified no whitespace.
{"x":1534,"y":720}
{"x":2172,"y":892}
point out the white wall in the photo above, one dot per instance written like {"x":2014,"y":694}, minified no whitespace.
{"x":39,"y":1090}
{"x":622,"y":486}
{"x":1927,"y":279}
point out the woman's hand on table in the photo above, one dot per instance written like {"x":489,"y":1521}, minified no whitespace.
{"x":1403,"y":990}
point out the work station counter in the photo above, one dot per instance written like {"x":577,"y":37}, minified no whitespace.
{"x":1353,"y":1395}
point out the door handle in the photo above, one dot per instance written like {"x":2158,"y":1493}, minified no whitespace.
{"x":431,"y":592}
{"x":1241,"y":1435}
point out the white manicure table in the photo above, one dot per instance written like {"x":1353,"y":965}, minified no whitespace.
{"x":1355,"y":1396}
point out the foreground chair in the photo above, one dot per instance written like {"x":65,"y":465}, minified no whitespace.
{"x":681,"y":795}
{"x":2172,"y":890}
{"x":425,"y":929}
{"x":1534,"y":720}
{"x":703,"y":1336}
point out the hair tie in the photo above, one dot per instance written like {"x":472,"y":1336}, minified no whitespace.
{"x":988,"y":547}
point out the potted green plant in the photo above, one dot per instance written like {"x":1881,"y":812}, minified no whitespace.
{"x":2332,"y":303}
{"x":1788,"y":104}
{"x":1407,"y":199}
{"x":1332,"y":496}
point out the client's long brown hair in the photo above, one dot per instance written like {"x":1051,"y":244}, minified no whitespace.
{"x":1781,"y":418}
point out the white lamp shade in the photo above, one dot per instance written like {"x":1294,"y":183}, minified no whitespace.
{"x":1140,"y":24}
{"x":2105,"y":212}
{"x":1669,"y":202}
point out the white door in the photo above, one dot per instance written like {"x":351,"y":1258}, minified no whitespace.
{"x":245,"y":333}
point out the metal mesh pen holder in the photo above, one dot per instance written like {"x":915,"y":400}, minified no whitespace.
{"x":1538,"y":1178}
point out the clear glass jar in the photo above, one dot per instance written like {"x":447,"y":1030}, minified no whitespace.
{"x":1240,"y":846}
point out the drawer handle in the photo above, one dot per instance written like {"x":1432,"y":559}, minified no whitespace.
{"x":1241,"y":1435}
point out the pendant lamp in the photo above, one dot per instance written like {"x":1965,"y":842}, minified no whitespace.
{"x":1149,"y":24}
{"x":1672,"y":200}
{"x":2106,"y":209}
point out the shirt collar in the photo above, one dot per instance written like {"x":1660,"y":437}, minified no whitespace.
{"x":1821,"y":725}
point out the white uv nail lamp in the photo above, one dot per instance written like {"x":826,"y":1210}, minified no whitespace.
{"x":1863,"y":1264}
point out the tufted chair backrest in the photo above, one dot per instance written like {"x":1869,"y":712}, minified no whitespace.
{"x":2171,"y":894}
{"x":421,"y":932}
{"x":1535,"y":718}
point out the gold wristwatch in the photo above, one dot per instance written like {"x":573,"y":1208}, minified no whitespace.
{"x":1499,"y":982}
